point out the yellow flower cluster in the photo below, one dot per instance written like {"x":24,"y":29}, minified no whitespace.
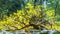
{"x":53,"y":27}
{"x":29,"y":6}
{"x":20,"y":19}
{"x":50,"y":13}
